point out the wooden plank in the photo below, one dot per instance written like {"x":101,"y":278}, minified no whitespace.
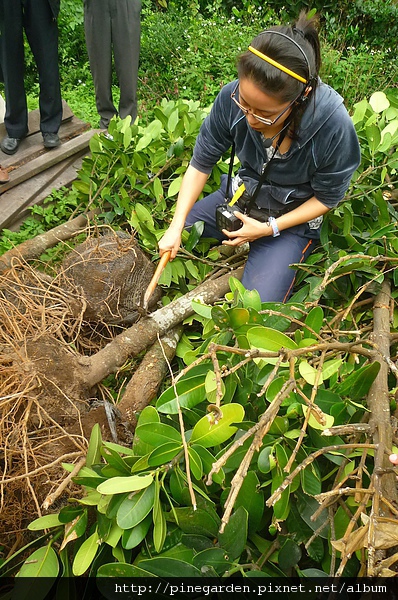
{"x":34,"y":120}
{"x":61,"y":175}
{"x":42,"y":163}
{"x":32,"y":146}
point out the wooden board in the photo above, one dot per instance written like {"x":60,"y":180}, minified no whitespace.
{"x":34,"y":120}
{"x":35,"y":191}
{"x":31,"y":170}
{"x":32,"y":146}
{"x":47,"y":159}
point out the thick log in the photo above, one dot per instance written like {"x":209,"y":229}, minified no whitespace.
{"x":144,"y":384}
{"x":143,"y":334}
{"x":378,"y":396}
{"x":34,"y":247}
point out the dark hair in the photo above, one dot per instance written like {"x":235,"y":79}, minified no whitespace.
{"x":304,"y":60}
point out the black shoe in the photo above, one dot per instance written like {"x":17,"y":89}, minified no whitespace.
{"x":10,"y":145}
{"x":51,"y":140}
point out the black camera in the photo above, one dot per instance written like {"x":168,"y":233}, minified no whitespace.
{"x":226,"y":218}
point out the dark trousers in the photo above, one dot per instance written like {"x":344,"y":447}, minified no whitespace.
{"x":113,"y":25}
{"x":268,"y":264}
{"x":36,"y":18}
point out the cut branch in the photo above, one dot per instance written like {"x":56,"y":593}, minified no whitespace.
{"x":144,"y":333}
{"x":145,"y":382}
{"x":32,"y":248}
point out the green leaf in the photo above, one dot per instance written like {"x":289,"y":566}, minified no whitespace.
{"x":194,"y":235}
{"x":374,"y":137}
{"x":174,"y":187}
{"x":157,"y":434}
{"x":169,"y":567}
{"x":69,"y":513}
{"x":220,"y":317}
{"x":173,"y":120}
{"x":127,"y":137}
{"x":265,"y":461}
{"x":251,"y":299}
{"x":75,"y":528}
{"x":195,"y":463}
{"x":45,"y":522}
{"x":119,"y":571}
{"x":212,"y":557}
{"x":148,"y":415}
{"x":358,"y":383}
{"x":311,"y":481}
{"x":134,"y":536}
{"x":314,"y":320}
{"x":85,"y":555}
{"x":164,"y":454}
{"x":238,"y":317}
{"x":201,"y":309}
{"x":379,"y":102}
{"x":309,"y":373}
{"x":251,"y":498}
{"x":233,"y":539}
{"x":199,"y":522}
{"x":120,"y":485}
{"x":143,"y":142}
{"x":159,"y":522}
{"x":207,"y":461}
{"x":269,"y":340}
{"x":190,"y":392}
{"x":211,"y":387}
{"x":42,"y":563}
{"x":307,"y":506}
{"x":208,"y":432}
{"x":330,"y":367}
{"x":133,"y":510}
{"x":289,"y":555}
{"x":93,"y":456}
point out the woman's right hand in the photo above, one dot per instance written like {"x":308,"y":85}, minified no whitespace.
{"x":170,"y":241}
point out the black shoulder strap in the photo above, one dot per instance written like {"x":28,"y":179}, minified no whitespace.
{"x":263,"y":175}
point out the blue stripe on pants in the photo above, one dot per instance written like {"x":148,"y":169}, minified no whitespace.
{"x":267,"y":268}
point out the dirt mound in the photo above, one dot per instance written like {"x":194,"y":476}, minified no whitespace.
{"x":113,"y":274}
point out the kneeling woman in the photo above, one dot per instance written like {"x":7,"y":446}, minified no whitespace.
{"x":297,"y":148}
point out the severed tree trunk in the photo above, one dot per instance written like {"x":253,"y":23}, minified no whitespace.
{"x":145,"y":383}
{"x":380,"y":423}
{"x":143,"y":334}
{"x":34,"y":247}
{"x":378,"y":396}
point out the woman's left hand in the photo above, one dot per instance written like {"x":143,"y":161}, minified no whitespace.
{"x":251,"y":230}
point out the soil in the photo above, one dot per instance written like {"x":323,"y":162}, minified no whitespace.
{"x":49,"y":324}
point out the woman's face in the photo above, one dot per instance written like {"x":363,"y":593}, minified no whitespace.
{"x":256,"y":102}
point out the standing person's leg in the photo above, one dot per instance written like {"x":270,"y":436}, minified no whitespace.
{"x":267,"y":268}
{"x":126,"y":31}
{"x":12,"y":62}
{"x":42,"y":33}
{"x":97,"y":27}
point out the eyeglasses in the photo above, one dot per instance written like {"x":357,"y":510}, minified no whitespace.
{"x":247,"y":111}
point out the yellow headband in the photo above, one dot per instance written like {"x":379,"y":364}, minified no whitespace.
{"x":277,"y":65}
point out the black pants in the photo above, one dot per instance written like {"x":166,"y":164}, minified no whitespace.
{"x":36,"y":18}
{"x":113,"y":26}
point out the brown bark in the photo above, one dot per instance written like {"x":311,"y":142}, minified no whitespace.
{"x":145,"y":383}
{"x":137,"y":338}
{"x":378,"y":396}
{"x":34,"y":247}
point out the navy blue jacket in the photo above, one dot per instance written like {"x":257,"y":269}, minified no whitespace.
{"x":320,"y":162}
